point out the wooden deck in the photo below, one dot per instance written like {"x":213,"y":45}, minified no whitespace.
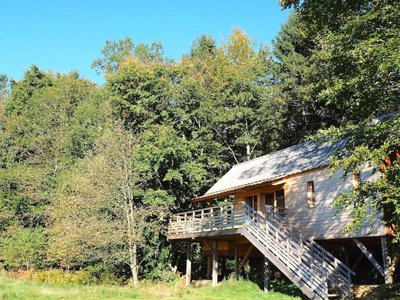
{"x":213,"y":221}
{"x":313,"y":269}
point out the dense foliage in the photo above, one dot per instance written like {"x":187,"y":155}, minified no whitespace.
{"x":89,"y":174}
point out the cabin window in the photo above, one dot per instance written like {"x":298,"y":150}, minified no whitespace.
{"x":252,"y":202}
{"x":310,"y":194}
{"x":276,"y":200}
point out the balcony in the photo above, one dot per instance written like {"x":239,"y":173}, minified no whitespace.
{"x":211,"y":221}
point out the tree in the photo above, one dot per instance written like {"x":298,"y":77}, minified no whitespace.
{"x":103,"y":208}
{"x":22,"y":91}
{"x":38,"y":142}
{"x":296,"y":112}
{"x":219,"y":96}
{"x":354,"y":55}
{"x":4,"y":88}
{"x":140,"y":93}
{"x":203,"y":47}
{"x":116,"y":52}
{"x":25,"y":248}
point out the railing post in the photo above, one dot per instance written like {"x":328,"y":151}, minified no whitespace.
{"x":232,"y":210}
{"x":325,"y":270}
{"x":336,"y":275}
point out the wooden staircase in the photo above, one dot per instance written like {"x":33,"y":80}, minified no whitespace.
{"x":314,"y":270}
{"x":317,"y":273}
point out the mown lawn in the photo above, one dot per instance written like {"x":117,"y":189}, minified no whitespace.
{"x":230,"y":290}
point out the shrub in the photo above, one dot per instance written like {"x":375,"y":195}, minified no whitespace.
{"x":57,"y":276}
{"x":285,"y":287}
{"x":104,"y":275}
{"x":26,"y":248}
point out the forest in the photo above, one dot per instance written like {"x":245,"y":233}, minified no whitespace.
{"x":90,"y":174}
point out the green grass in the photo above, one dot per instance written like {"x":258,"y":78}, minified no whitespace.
{"x":230,"y":290}
{"x":27,"y":290}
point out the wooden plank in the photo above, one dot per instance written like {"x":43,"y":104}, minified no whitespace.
{"x":369,"y":256}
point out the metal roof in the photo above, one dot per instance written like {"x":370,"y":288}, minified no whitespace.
{"x":295,"y":159}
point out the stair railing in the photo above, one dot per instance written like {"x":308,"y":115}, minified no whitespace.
{"x":301,"y":253}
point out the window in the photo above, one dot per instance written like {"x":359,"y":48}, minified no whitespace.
{"x":276,"y":200}
{"x":310,"y":194}
{"x":252,"y":202}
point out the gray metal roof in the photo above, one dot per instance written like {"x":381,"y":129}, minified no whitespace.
{"x":295,"y":159}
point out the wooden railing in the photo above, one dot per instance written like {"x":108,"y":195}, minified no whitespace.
{"x":319,"y":269}
{"x":206,"y":219}
{"x":315,"y":267}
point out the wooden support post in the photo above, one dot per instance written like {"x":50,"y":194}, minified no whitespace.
{"x":215,"y":263}
{"x":357,"y":262}
{"x":386,"y":262}
{"x":188,"y":264}
{"x":209,"y":266}
{"x":237,"y":261}
{"x":245,"y":258}
{"x":369,"y":256}
{"x":266,"y":268}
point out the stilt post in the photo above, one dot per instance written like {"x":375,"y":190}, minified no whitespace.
{"x":188,"y":264}
{"x":209,"y":266}
{"x":237,"y":261}
{"x":215,"y":263}
{"x":266,"y":274}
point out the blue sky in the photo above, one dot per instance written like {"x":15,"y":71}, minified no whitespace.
{"x":63,"y":35}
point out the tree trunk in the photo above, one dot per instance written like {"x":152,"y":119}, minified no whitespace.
{"x":131,"y":244}
{"x":134,"y":267}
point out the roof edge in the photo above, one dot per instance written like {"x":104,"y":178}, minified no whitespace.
{"x":226,"y":192}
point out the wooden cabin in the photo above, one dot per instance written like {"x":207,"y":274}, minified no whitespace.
{"x":279,"y":210}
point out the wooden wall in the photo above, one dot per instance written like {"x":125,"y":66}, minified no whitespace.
{"x":320,"y":221}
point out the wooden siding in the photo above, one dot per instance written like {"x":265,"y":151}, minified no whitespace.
{"x":320,"y":221}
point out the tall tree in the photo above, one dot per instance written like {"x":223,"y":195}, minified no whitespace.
{"x":101,"y":214}
{"x":116,"y":52}
{"x":37,"y":144}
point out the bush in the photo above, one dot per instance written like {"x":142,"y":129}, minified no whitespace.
{"x":26,"y":248}
{"x":104,"y":275}
{"x":163,"y":275}
{"x":285,"y":287}
{"x":56,"y":276}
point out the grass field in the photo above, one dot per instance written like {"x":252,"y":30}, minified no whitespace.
{"x":229,"y":290}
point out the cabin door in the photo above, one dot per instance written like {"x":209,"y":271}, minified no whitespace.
{"x":276,"y":201}
{"x":252,"y":202}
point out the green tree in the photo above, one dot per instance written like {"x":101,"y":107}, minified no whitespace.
{"x":25,"y":248}
{"x":101,"y":213}
{"x":116,"y":52}
{"x":203,"y":47}
{"x":38,"y":141}
{"x":4,"y":87}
